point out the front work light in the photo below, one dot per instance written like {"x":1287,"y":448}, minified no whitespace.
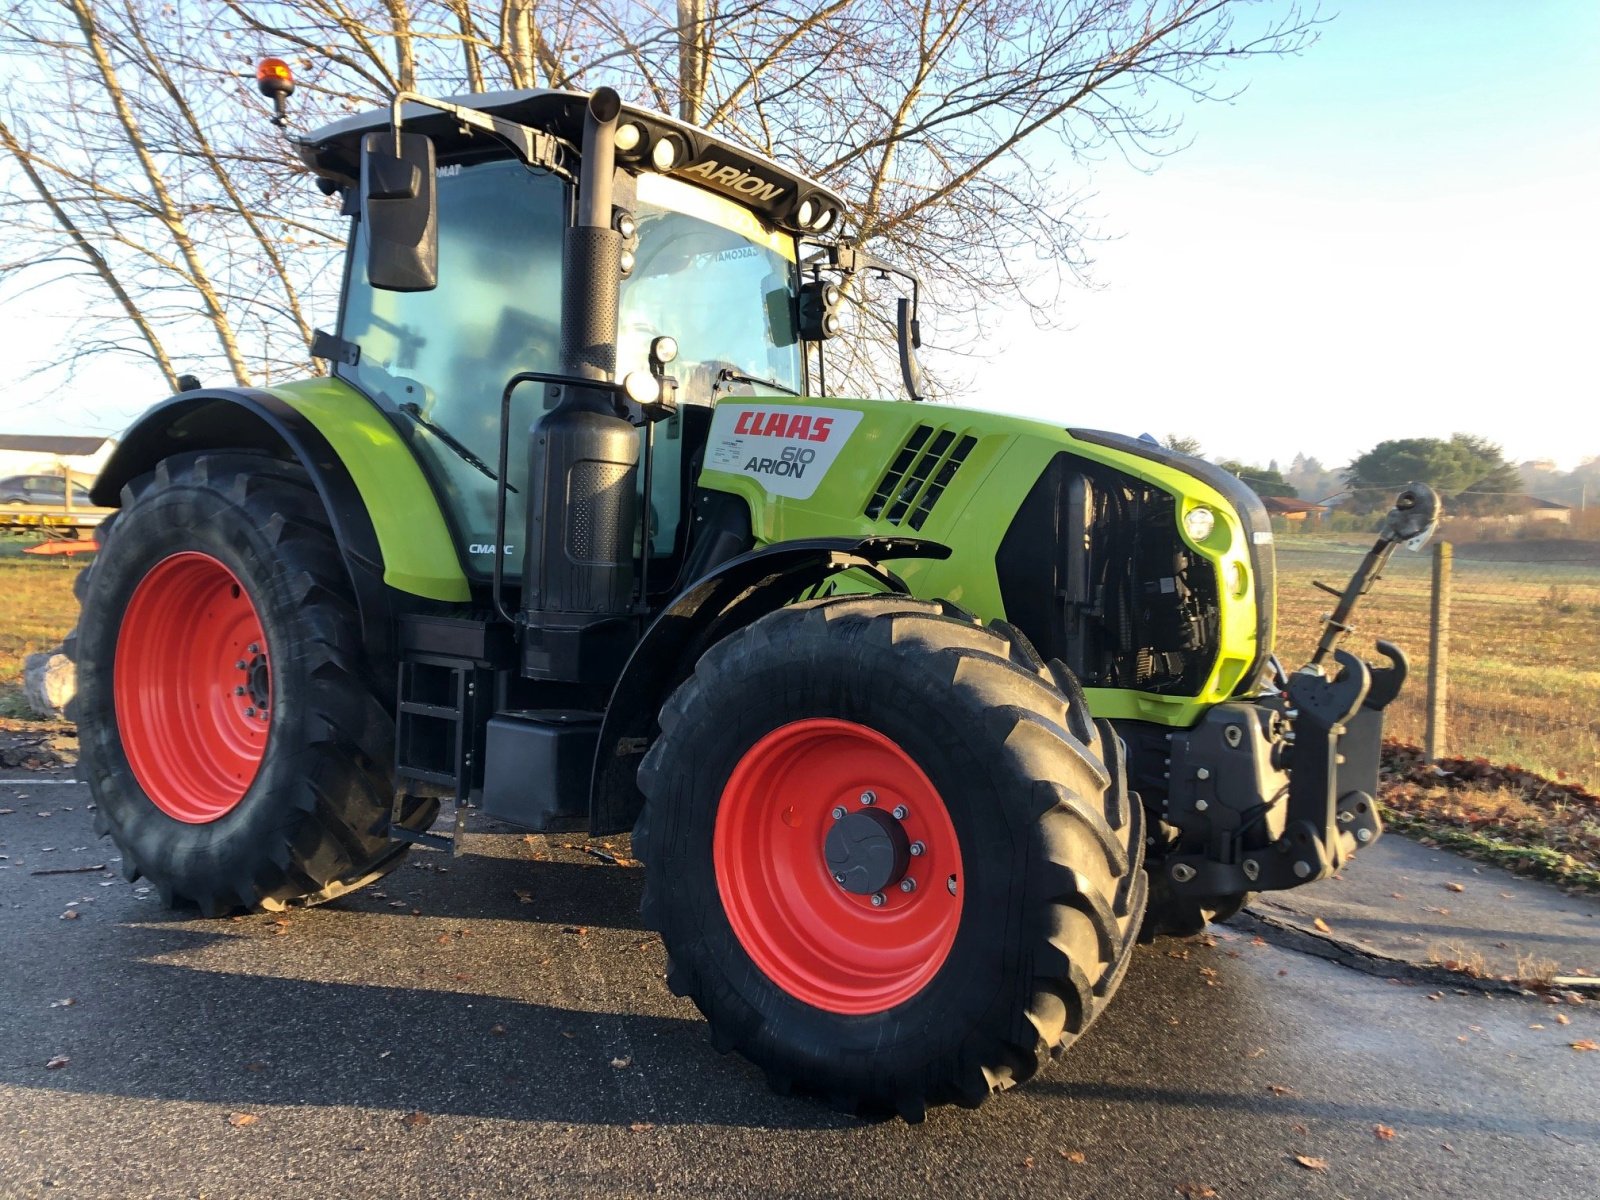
{"x":1198,"y":523}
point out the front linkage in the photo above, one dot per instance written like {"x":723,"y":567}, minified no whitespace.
{"x":1314,"y":738}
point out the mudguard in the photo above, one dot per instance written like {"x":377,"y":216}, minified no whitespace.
{"x":731,"y":596}
{"x":388,"y":524}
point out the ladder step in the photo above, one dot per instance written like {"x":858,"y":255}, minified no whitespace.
{"x":416,"y":708}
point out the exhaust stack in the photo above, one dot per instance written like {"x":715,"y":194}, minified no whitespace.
{"x":583,"y":458}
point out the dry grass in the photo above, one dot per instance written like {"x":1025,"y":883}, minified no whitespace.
{"x":37,"y":609}
{"x":1524,"y":680}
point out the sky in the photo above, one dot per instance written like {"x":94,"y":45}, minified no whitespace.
{"x":1392,"y":234}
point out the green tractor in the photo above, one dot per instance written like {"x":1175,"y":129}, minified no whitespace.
{"x":920,"y":716}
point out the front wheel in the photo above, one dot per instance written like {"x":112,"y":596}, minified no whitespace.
{"x":887,"y":854}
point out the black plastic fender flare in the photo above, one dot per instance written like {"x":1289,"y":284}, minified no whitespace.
{"x":251,"y":419}
{"x":733,"y":595}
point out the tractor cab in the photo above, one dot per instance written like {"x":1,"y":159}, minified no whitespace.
{"x":708,"y":240}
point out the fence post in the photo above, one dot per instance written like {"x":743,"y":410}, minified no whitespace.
{"x":1438,"y":653}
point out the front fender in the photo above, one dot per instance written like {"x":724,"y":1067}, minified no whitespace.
{"x":735,"y":594}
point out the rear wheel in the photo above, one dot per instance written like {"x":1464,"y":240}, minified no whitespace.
{"x":891,"y":858}
{"x":236,"y":744}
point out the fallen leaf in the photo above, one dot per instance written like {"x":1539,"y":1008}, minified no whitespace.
{"x":1256,"y":1053}
{"x":70,"y":915}
{"x":1455,"y":887}
{"x":1258,"y":941}
{"x":497,"y":1030}
{"x":1443,"y":912}
{"x":67,"y":1003}
{"x":1384,"y":1133}
{"x":1447,"y":1146}
{"x":1196,"y":1191}
{"x":443,"y":939}
{"x":1074,"y":1156}
{"x":524,"y":896}
{"x":1311,"y":1164}
{"x":1300,"y":1129}
{"x":1563,"y":1019}
{"x":1585,"y":1044}
{"x":621,"y":1064}
{"x":56,"y":1063}
{"x":415,"y":1120}
{"x":642,"y":1126}
{"x":242,"y":1119}
{"x":1322,"y":925}
{"x":1278,"y":1089}
{"x":255,"y":1066}
{"x":580,"y":930}
{"x":1027,"y":1163}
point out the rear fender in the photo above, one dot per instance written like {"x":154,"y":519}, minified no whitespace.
{"x":735,"y":594}
{"x":278,"y":422}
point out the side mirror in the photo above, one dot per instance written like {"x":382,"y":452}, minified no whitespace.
{"x":909,"y":334}
{"x":399,"y":212}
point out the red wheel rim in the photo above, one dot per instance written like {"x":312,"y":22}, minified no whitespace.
{"x":192,"y":687}
{"x":824,"y":945}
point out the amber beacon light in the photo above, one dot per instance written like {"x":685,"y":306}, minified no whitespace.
{"x":276,"y":81}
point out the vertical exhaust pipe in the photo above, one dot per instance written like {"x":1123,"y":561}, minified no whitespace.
{"x":583,"y":457}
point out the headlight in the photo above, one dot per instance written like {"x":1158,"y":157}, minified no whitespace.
{"x":1198,"y":523}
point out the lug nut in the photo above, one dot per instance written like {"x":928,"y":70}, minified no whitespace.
{"x":879,"y":899}
{"x":839,"y":879}
{"x":908,"y":884}
{"x":869,"y":797}
{"x":1200,"y":806}
{"x":901,"y":812}
{"x":1203,"y":773}
{"x":1182,"y":872}
{"x":238,"y":691}
{"x":918,"y":849}
{"x":1363,"y":836}
{"x":254,"y":648}
{"x":838,"y":814}
{"x":249,"y":711}
{"x":1302,"y":869}
{"x":240,"y":665}
{"x":1252,"y":869}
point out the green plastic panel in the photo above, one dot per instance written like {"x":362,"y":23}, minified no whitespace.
{"x":419,"y":555}
{"x":969,"y":508}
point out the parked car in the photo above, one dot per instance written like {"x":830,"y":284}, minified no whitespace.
{"x":41,"y":489}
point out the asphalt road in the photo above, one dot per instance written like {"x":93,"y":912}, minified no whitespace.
{"x":497,"y":1025}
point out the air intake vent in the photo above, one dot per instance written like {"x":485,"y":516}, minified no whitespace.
{"x":919,"y":475}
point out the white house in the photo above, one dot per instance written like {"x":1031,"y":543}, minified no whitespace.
{"x":53,"y":454}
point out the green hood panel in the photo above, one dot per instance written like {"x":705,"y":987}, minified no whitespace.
{"x":958,"y":476}
{"x":419,"y":554}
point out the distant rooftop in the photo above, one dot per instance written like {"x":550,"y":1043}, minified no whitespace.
{"x":44,"y":443}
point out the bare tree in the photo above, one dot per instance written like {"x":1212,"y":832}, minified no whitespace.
{"x":961,"y":132}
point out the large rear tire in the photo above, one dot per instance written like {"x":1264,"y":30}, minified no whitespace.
{"x":234,"y":738}
{"x":818,"y":760}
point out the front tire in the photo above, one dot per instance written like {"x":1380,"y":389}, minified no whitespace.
{"x":817,"y":760}
{"x":235,"y":741}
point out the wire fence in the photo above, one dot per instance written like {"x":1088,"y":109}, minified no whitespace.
{"x":1519,"y":625}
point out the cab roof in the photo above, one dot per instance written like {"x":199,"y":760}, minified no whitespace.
{"x":750,"y":179}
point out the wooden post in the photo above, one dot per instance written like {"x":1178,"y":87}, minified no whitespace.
{"x":1439,"y":653}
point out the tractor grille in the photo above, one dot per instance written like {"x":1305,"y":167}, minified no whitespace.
{"x":919,"y":475}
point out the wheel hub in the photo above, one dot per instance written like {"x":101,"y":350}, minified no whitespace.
{"x":867,"y":851}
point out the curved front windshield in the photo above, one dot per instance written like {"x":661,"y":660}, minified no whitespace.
{"x":708,"y":274}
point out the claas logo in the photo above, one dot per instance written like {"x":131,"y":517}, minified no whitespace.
{"x":799,"y":427}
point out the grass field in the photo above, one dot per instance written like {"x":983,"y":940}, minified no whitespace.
{"x":36,"y":610}
{"x":1524,"y":680}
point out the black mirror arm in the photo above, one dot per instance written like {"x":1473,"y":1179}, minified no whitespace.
{"x":533,"y":146}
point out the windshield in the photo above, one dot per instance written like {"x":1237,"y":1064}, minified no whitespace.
{"x":708,"y":274}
